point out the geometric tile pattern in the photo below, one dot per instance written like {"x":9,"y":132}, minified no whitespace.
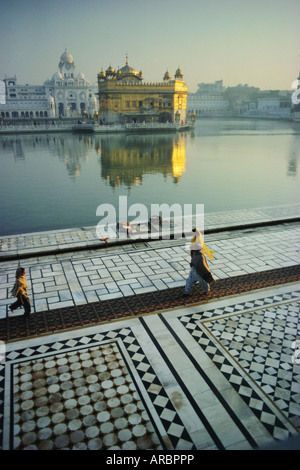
{"x":251,"y":304}
{"x":86,"y":397}
{"x":81,"y":400}
{"x":123,"y":381}
{"x":73,"y":279}
{"x":251,"y":344}
{"x":72,"y":389}
{"x":102,"y":388}
{"x":19,"y":326}
{"x":261,"y":343}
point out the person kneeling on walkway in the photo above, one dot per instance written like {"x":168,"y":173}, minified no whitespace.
{"x":199,"y":271}
{"x":20,"y":291}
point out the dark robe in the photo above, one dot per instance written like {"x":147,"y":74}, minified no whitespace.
{"x":200,"y":264}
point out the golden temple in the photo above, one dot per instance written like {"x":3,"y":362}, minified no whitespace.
{"x":125,"y":98}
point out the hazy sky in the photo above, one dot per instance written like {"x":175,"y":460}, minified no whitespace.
{"x":238,"y":41}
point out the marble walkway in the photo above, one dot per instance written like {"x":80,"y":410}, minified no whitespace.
{"x":220,"y":372}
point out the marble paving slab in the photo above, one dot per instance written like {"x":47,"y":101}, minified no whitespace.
{"x":219,"y":375}
{"x":73,"y":279}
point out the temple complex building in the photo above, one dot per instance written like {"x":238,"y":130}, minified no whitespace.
{"x":72,"y":93}
{"x":125,"y":98}
{"x":68,"y":94}
{"x":25,"y":101}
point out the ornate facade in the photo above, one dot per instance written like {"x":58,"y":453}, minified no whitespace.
{"x":124,"y":97}
{"x":66,"y":94}
{"x":72,"y":93}
{"x":25,"y":101}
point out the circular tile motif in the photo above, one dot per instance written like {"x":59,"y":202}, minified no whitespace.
{"x":81,"y":400}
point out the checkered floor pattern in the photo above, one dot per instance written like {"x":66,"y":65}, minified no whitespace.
{"x":217,"y":375}
{"x":251,"y":343}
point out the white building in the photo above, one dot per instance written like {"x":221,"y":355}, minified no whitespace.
{"x":209,"y":100}
{"x":66,"y":94}
{"x":25,"y":101}
{"x":275,"y":104}
{"x":72,"y":93}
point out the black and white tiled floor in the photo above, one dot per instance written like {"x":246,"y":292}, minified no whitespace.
{"x":71,"y":279}
{"x":219,"y":375}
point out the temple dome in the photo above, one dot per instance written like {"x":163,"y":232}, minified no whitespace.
{"x":110,"y":71}
{"x":128,"y":72}
{"x":101,"y":75}
{"x":66,"y":58}
{"x":57,"y":75}
{"x":178,"y":73}
{"x":167,"y":76}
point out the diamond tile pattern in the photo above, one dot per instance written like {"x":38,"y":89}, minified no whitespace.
{"x":134,"y":384}
{"x":79,"y":394}
{"x":258,"y":341}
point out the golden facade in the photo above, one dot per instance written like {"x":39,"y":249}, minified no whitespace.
{"x":126,"y":160}
{"x":125,"y":98}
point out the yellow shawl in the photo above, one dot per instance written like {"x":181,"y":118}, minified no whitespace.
{"x":199,"y":239}
{"x":20,"y":286}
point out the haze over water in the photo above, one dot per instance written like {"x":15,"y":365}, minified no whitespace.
{"x":57,"y":181}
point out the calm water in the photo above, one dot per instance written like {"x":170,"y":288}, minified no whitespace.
{"x":57,"y":181}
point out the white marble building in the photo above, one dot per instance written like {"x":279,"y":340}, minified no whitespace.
{"x":209,"y":100}
{"x":73,"y":95}
{"x":25,"y":101}
{"x":67,"y":94}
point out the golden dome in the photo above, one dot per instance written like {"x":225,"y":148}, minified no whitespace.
{"x":101,"y":74}
{"x":167,"y":76}
{"x":128,"y":72}
{"x":110,"y":71}
{"x":178,"y":73}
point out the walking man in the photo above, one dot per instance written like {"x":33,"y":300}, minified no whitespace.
{"x":199,"y":271}
{"x":20,"y":291}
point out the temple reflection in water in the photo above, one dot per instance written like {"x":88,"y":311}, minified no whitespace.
{"x":53,"y":181}
{"x":126,"y":159}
